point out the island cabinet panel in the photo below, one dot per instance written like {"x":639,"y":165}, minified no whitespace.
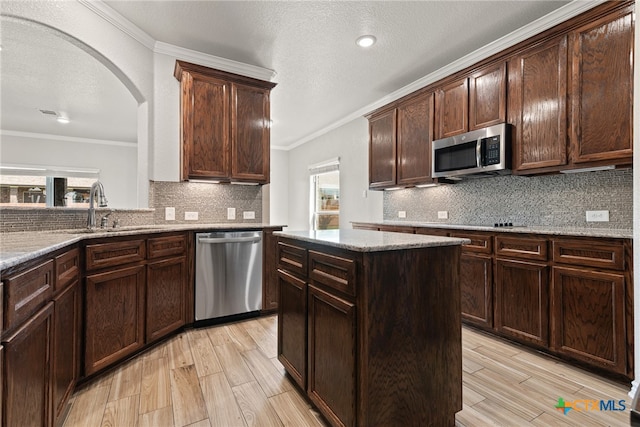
{"x":488,"y":96}
{"x":382,"y":150}
{"x":602,"y":89}
{"x":336,"y":271}
{"x":27,"y":372}
{"x":589,"y":317}
{"x":414,"y":136}
{"x":332,"y":344}
{"x":114,"y":326}
{"x":522,"y":301}
{"x":165,"y":297}
{"x":250,"y":146}
{"x":65,"y":360}
{"x":292,"y":326}
{"x":537,"y":106}
{"x":452,"y":108}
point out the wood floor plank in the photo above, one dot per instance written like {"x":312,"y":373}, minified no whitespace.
{"x":233,"y":364}
{"x":204,"y":356}
{"x":263,"y":339}
{"x":509,"y":371}
{"x":470,"y":417}
{"x":221,"y":404}
{"x":203,"y":423}
{"x":470,"y":396}
{"x":186,"y":395}
{"x":126,"y":381}
{"x":268,"y":376}
{"x":155,"y":391}
{"x":255,"y":408}
{"x":162,"y":417}
{"x":239,"y":335}
{"x":294,"y":411}
{"x":501,"y":413}
{"x":122,"y":412}
{"x":218,"y":335}
{"x":179,"y":352}
{"x":88,"y":407}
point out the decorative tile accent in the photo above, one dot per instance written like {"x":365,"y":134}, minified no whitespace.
{"x":552,"y":200}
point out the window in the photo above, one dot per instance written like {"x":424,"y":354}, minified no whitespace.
{"x":325,"y":196}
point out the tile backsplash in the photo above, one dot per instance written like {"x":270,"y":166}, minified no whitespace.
{"x":552,"y":200}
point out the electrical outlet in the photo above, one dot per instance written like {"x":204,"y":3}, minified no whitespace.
{"x":191,"y":216}
{"x":231,"y":213}
{"x":597,"y":216}
{"x":402,"y":214}
{"x":443,"y":215}
{"x":364,"y":194}
{"x":170,"y":214}
{"x":248,"y":215}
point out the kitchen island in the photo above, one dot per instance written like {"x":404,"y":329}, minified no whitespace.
{"x":369,"y":325}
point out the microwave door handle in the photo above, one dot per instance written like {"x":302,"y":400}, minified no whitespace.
{"x":479,"y":153}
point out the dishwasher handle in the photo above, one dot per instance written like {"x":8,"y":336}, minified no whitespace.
{"x":216,"y":240}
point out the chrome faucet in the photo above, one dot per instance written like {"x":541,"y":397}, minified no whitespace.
{"x":97,"y":190}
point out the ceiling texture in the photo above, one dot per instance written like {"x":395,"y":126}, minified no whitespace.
{"x":323,"y":77}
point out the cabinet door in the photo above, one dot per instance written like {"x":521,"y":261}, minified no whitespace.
{"x":66,"y":347}
{"x":537,"y":106}
{"x":452,"y":109}
{"x":270,"y":273}
{"x":588,"y":315}
{"x":382,"y":150}
{"x":113,"y":317}
{"x":415,"y":133}
{"x":488,"y":97}
{"x":476,"y":289}
{"x":205,"y":126}
{"x":602,"y":89}
{"x":522,"y":301}
{"x":292,"y":326}
{"x":165,"y":300}
{"x":332,"y":356}
{"x":250,"y":130}
{"x":27,"y":372}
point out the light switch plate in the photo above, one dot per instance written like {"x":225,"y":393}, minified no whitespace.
{"x":191,"y":216}
{"x":248,"y":215}
{"x":597,"y":216}
{"x":402,"y":214}
{"x":170,"y":214}
{"x":231,"y":213}
{"x":443,"y":215}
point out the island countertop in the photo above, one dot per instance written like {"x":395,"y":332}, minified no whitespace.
{"x":370,"y":241}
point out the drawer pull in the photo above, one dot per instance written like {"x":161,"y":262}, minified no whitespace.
{"x":31,"y":297}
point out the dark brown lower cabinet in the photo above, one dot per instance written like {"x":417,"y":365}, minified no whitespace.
{"x":65,"y":347}
{"x":114,"y":326}
{"x":165,"y":298}
{"x":476,"y":289}
{"x":292,"y":326}
{"x":331,"y":381}
{"x":27,"y":371}
{"x":522,"y":301}
{"x":269,"y":272}
{"x":588,"y":317}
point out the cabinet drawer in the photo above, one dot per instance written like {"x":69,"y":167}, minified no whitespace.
{"x":26,"y":292}
{"x":433,"y":231}
{"x":521,"y":247}
{"x":111,"y":254}
{"x":67,"y":269}
{"x":160,"y":247}
{"x":589,"y":253}
{"x":480,"y":242}
{"x":397,"y":228}
{"x":292,"y":258}
{"x":334,"y":271}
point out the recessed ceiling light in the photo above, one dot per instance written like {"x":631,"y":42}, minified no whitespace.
{"x":366,"y":41}
{"x":62,"y":119}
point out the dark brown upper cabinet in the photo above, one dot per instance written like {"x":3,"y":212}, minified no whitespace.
{"x":472,"y":102}
{"x":400,"y":143}
{"x":225,"y":125}
{"x":601,"y":81}
{"x":537,"y":106}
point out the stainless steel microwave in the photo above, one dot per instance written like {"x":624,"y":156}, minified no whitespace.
{"x":482,"y":152}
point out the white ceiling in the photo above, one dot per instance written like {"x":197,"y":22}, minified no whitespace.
{"x":322,"y":75}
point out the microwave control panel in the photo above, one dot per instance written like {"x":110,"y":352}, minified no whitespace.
{"x":490,"y":151}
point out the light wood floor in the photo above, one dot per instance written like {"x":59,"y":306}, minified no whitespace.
{"x":229,"y":376}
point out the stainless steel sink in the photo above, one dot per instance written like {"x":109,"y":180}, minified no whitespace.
{"x":109,"y":230}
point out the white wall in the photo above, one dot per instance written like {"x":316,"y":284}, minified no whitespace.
{"x":117,"y":164}
{"x":129,"y":60}
{"x":279,"y":188}
{"x":351,"y":144}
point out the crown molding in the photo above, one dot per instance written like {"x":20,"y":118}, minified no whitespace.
{"x":52,"y":137}
{"x":216,"y":62}
{"x":119,"y":21}
{"x":550,"y":20}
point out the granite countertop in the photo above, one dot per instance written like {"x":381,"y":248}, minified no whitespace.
{"x":21,"y":246}
{"x":622,"y":233}
{"x":370,"y":241}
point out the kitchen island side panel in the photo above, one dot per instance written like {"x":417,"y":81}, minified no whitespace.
{"x":410,"y":352}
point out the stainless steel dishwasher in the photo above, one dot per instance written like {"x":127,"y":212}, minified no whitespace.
{"x":228,"y":274}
